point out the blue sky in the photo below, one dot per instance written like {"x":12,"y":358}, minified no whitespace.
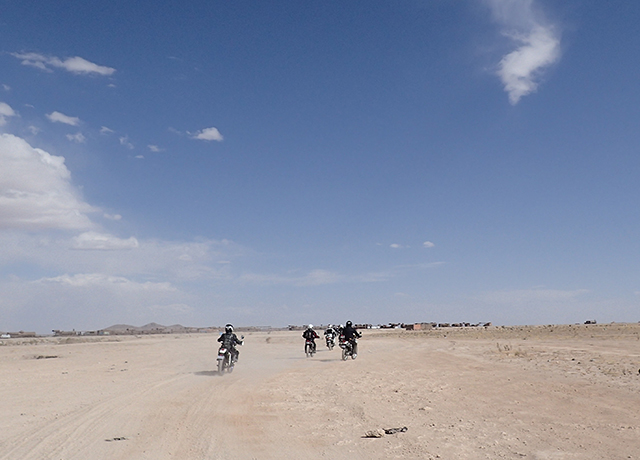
{"x":273,"y":163}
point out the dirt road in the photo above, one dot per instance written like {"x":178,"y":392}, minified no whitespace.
{"x":510,"y":394}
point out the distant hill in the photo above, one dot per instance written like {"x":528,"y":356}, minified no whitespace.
{"x":119,"y":327}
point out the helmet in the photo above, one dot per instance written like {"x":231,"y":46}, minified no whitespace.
{"x":349,"y":323}
{"x":228,"y":328}
{"x":310,"y":326}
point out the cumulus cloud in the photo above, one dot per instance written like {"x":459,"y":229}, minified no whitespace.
{"x":313,"y":278}
{"x":99,"y":279}
{"x":57,"y":117}
{"x":105,"y":130}
{"x":78,"y":138}
{"x":97,"y":251}
{"x":89,"y":301}
{"x":103,"y":242}
{"x":154,"y":148}
{"x":208,"y":134}
{"x":180,"y":309}
{"x":5,"y":111}
{"x":537,"y":45}
{"x":428,"y":244}
{"x":36,"y":191}
{"x":124,"y":140}
{"x":76,"y":64}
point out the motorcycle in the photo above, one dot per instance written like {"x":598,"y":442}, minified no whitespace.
{"x":330,"y":342}
{"x":309,"y":348}
{"x":225,"y":360}
{"x":347,"y":349}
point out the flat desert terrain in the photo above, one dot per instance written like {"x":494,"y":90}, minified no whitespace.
{"x":543,"y":392}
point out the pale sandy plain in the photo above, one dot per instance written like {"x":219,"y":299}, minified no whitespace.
{"x":555,"y":392}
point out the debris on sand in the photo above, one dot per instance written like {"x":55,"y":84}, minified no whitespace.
{"x":395,"y":430}
{"x":380,"y":432}
{"x":375,"y":433}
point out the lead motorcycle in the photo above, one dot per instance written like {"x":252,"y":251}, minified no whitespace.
{"x":309,"y":348}
{"x":348,"y":347}
{"x":226,"y":362}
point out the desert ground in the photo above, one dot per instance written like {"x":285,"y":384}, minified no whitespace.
{"x":543,"y":392}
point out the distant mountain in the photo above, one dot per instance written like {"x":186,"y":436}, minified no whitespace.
{"x":151,"y":327}
{"x":120,"y":327}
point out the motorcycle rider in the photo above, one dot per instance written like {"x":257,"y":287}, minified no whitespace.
{"x":330,"y":334}
{"x":350,"y":334}
{"x":311,"y":335}
{"x":229,"y":341}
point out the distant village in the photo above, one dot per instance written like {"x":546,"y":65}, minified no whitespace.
{"x":155,"y":328}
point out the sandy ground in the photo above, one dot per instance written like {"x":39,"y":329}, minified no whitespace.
{"x":554,"y":392}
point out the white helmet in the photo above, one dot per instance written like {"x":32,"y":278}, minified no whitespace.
{"x":310,"y":326}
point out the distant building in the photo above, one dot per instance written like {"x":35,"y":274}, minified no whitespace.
{"x":18,"y":335}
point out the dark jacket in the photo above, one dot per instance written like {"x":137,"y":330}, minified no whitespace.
{"x":310,"y":334}
{"x":229,"y":340}
{"x":350,"y":333}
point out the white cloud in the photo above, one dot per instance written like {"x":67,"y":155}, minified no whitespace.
{"x":6,"y":87}
{"x":124,"y":140}
{"x":78,"y":137}
{"x":208,"y":134}
{"x":105,"y":130}
{"x":74,"y":64}
{"x":101,"y":252}
{"x":428,"y":244}
{"x":537,"y":46}
{"x":99,"y":279}
{"x":33,"y":129}
{"x":172,"y":309}
{"x":89,"y":301}
{"x":36,"y":191}
{"x":57,"y":117}
{"x":103,"y":242}
{"x":396,"y":246}
{"x":154,"y":148}
{"x":313,"y":278}
{"x":112,"y":216}
{"x":5,"y":111}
